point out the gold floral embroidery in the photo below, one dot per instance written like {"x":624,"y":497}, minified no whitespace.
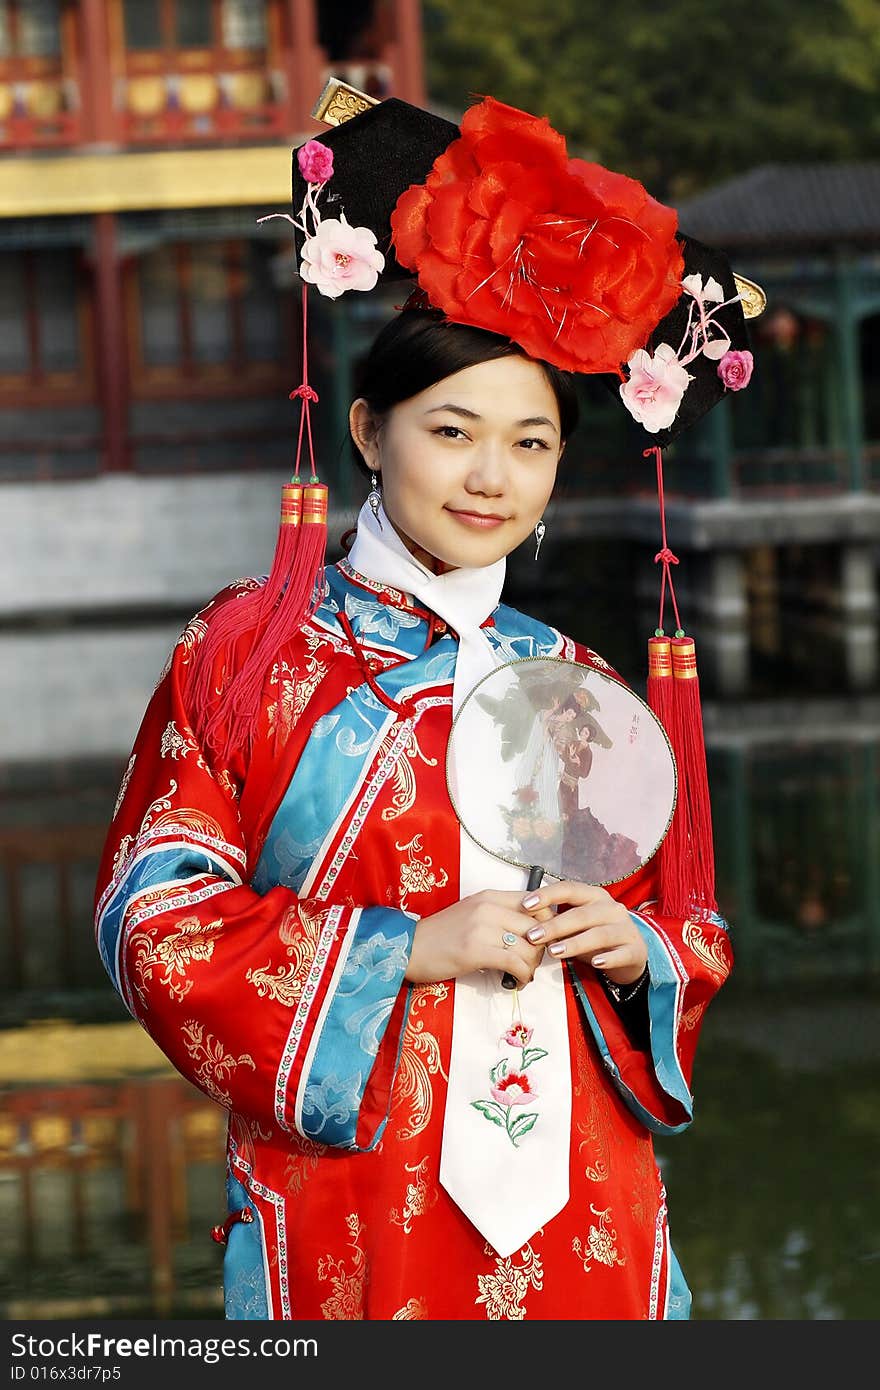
{"x":302,"y":1163}
{"x":193,"y":940}
{"x":414,"y":1310}
{"x":420,"y":1197}
{"x":347,"y":1300}
{"x":248,"y":584}
{"x":128,"y":842}
{"x":192,"y":635}
{"x":419,"y":1061}
{"x":418,"y":875}
{"x":595,"y":1131}
{"x":710,"y":953}
{"x":188,"y":818}
{"x":690,"y":1019}
{"x":226,"y":780}
{"x":177,"y":745}
{"x":215,"y":1064}
{"x":600,"y":1244}
{"x":295,"y":688}
{"x":598,"y":1127}
{"x":283,"y":987}
{"x":126,"y":778}
{"x":405,"y":778}
{"x":243,"y":1131}
{"x":299,"y":930}
{"x":504,"y":1291}
{"x":644,"y":1178}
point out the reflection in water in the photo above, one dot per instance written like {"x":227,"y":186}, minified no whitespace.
{"x":774,"y":1194}
{"x":108,"y":1192}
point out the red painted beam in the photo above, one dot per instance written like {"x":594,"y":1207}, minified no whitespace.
{"x":111,"y":346}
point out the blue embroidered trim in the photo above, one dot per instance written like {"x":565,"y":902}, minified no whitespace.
{"x":662,"y":991}
{"x":244,"y":1275}
{"x":354,"y":1025}
{"x":678,"y":1304}
{"x":152,"y":870}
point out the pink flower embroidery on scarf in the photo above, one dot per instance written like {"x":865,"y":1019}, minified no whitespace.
{"x":517,"y":1035}
{"x":514,"y":1089}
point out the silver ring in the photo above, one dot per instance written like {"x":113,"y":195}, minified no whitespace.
{"x":508,"y":939}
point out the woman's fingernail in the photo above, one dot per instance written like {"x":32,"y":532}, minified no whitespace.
{"x":536,"y":934}
{"x":599,"y":960}
{"x":557,"y":948}
{"x":531,"y":901}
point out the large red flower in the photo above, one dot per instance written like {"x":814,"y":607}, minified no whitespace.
{"x":574,"y":262}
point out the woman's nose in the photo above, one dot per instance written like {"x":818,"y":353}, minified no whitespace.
{"x":487,"y":474}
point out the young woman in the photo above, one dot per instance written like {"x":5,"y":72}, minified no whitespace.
{"x":303,"y":927}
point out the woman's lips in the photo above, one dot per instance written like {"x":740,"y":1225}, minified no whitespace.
{"x":478,"y":520}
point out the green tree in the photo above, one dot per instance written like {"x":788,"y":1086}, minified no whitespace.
{"x":678,"y":93}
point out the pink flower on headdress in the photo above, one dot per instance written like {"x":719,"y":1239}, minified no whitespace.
{"x":735,"y":370}
{"x":655,"y":387}
{"x":315,"y":161}
{"x":340,"y":257}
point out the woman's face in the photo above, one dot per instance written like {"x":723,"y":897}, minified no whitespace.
{"x":468,"y":465}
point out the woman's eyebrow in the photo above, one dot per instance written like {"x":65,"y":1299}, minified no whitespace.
{"x":472,"y":415}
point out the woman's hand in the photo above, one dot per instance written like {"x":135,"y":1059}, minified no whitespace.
{"x":469,"y":935}
{"x":588,"y":925}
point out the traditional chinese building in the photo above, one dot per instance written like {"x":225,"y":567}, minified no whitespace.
{"x":148,"y":339}
{"x":147,"y":348}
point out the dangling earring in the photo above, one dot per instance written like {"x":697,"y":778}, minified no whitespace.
{"x":375,"y":499}
{"x":540,"y":532}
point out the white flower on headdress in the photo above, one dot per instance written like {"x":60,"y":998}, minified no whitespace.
{"x":655,"y":387}
{"x":708,"y":335}
{"x":340,"y":257}
{"x":711,"y":292}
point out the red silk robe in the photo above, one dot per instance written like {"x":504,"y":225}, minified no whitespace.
{"x":256,"y":918}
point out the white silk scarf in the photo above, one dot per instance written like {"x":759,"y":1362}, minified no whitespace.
{"x":505,"y":1150}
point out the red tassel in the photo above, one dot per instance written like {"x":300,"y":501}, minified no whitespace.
{"x":251,"y":612}
{"x":299,"y":563}
{"x":686,"y":857}
{"x":241,"y":615}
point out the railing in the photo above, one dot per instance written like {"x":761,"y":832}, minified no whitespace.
{"x":39,"y":112}
{"x":789,"y":472}
{"x":47,"y":460}
{"x":753,"y":474}
{"x":123,"y":1182}
{"x":58,"y":855}
{"x":201,"y":106}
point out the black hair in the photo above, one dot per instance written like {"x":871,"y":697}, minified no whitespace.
{"x":420,"y":347}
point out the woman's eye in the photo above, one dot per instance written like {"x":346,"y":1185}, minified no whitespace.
{"x":448,"y":431}
{"x":541,"y":443}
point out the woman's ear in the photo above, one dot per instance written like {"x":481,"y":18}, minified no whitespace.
{"x":362,"y":424}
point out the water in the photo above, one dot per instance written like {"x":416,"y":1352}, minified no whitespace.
{"x":774,"y":1192}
